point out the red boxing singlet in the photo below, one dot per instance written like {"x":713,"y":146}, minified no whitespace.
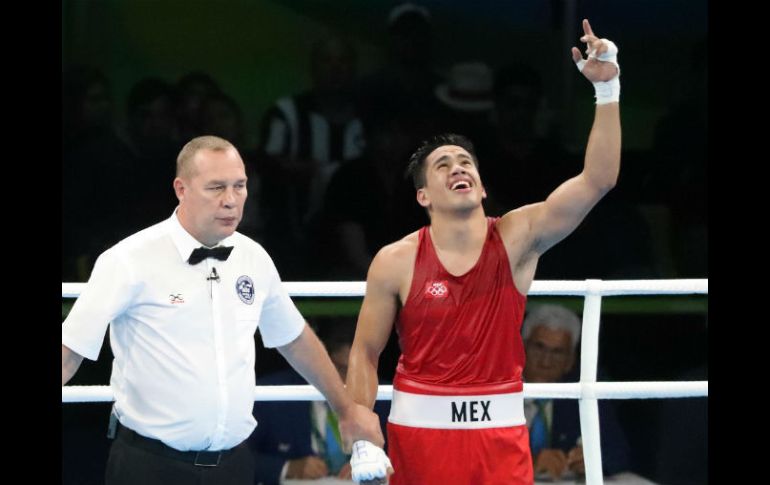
{"x":460,"y":336}
{"x":462,"y":330}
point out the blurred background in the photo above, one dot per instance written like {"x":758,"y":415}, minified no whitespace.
{"x":326,"y":101}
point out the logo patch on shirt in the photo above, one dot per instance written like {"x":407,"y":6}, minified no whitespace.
{"x":245,"y":289}
{"x":436,"y":289}
{"x":174,"y":299}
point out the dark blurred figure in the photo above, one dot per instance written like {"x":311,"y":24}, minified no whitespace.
{"x":367,"y":204}
{"x":467,"y":103}
{"x":221,"y":116}
{"x":150,"y":113}
{"x":305,"y":138}
{"x":153,"y":137}
{"x":86,"y":105}
{"x":403,"y":89}
{"x":96,"y":165}
{"x":190,"y":91}
{"x":523,"y":149}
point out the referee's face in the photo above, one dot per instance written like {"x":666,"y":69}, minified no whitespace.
{"x":211,"y":199}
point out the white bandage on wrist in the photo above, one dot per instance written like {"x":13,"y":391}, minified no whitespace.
{"x":606,"y":91}
{"x":368,"y":462}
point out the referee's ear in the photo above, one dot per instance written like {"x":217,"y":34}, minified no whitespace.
{"x":179,"y":188}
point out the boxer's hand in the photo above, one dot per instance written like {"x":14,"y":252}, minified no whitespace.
{"x":369,"y":464}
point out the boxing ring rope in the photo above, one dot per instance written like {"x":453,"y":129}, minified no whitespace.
{"x":587,"y":391}
{"x":550,"y":287}
{"x":572,"y":390}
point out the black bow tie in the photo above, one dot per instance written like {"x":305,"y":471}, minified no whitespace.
{"x":220,"y":252}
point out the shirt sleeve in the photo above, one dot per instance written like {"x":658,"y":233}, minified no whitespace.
{"x":280,"y":322}
{"x":106,"y":295}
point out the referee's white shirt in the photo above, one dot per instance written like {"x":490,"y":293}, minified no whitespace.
{"x":184,"y":346}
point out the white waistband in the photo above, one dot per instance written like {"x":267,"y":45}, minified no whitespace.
{"x":457,"y":412}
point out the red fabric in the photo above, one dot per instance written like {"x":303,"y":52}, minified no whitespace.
{"x":494,"y":456}
{"x":462,"y":330}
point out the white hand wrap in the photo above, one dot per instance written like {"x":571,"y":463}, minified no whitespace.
{"x":369,"y":462}
{"x":606,"y":91}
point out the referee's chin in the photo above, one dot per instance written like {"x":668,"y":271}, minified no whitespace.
{"x":226,"y":229}
{"x":226,"y":233}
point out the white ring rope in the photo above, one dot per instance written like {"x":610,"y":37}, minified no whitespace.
{"x":543,"y":287}
{"x":576,"y":390}
{"x":587,"y":391}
